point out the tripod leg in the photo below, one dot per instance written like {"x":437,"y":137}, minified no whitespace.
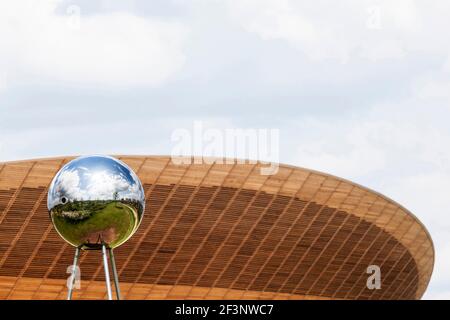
{"x":115,"y":275}
{"x":74,"y":273}
{"x":105,"y":265}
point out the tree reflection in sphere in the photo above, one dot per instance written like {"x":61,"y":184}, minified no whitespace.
{"x":96,"y":200}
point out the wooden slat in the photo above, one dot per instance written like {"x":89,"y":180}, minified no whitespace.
{"x":221,"y":231}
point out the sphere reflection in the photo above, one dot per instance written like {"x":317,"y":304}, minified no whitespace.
{"x":96,"y":200}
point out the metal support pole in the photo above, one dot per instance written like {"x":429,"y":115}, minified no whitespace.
{"x":114,"y":270}
{"x":105,"y":265}
{"x":74,"y":273}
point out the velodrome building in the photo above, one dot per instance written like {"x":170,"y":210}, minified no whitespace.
{"x":221,"y":231}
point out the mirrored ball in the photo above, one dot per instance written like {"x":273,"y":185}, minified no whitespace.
{"x":96,"y":200}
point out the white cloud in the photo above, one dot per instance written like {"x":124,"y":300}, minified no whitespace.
{"x":436,"y":89}
{"x":343,"y":148}
{"x":3,"y":80}
{"x":110,"y":49}
{"x":439,"y":287}
{"x":437,"y":295}
{"x":380,"y":120}
{"x":99,"y":185}
{"x":447,"y":64}
{"x":375,"y":30}
{"x":69,"y":184}
{"x":103,"y":185}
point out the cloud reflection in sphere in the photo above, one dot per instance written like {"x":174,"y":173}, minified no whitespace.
{"x":96,"y":200}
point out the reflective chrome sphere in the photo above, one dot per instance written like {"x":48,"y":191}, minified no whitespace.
{"x":96,"y":200}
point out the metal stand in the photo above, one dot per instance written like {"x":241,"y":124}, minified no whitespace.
{"x":74,"y":273}
{"x":115,"y":275}
{"x":106,"y":268}
{"x":105,"y":265}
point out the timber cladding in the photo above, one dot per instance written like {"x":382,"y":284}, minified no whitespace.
{"x":218,"y":231}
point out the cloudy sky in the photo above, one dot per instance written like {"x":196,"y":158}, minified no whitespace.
{"x":95,"y":178}
{"x":358,"y":88}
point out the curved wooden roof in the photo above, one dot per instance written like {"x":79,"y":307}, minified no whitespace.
{"x":216,"y":230}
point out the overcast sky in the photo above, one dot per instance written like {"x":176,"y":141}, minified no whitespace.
{"x":357,"y":88}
